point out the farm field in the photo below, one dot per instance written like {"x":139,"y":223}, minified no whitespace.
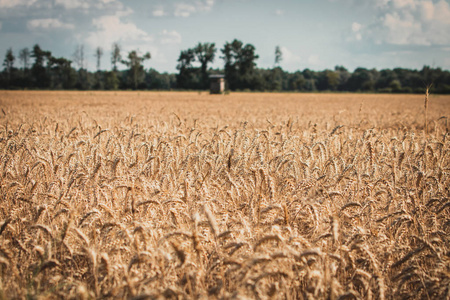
{"x":171,"y":195}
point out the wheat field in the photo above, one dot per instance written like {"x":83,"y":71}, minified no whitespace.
{"x":147,"y":195}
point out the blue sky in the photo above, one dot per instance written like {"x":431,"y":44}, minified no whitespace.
{"x":315,"y":34}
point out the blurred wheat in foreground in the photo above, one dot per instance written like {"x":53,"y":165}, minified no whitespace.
{"x":186,"y":196}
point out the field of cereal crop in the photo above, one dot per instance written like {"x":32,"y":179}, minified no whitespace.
{"x":147,"y":195}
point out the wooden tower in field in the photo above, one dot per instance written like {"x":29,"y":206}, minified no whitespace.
{"x":217,"y":84}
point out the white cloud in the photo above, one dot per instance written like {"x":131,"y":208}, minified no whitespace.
{"x":42,"y":7}
{"x":279,"y":12}
{"x":87,"y":5}
{"x":404,"y":3}
{"x":48,"y":24}
{"x":73,"y":4}
{"x":356,"y":27}
{"x":381,"y":3}
{"x":169,"y":37}
{"x":411,"y":22}
{"x":403,"y":31}
{"x":204,"y":5}
{"x":112,"y":29}
{"x":427,"y":10}
{"x":67,"y":4}
{"x":356,"y":32}
{"x":158,"y":12}
{"x":314,"y":59}
{"x":442,"y":12}
{"x":289,"y":58}
{"x":16,"y":3}
{"x":184,"y":8}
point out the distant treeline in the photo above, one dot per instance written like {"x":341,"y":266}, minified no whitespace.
{"x":39,"y":69}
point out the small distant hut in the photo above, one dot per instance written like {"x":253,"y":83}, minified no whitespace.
{"x":217,"y":83}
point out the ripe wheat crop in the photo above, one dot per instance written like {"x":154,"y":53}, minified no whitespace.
{"x":184,"y":195}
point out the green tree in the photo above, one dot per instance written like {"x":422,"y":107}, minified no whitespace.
{"x":186,"y":58}
{"x":8,"y":63}
{"x":187,"y":77}
{"x":85,"y":80}
{"x":40,"y":72}
{"x":63,"y":75}
{"x":395,"y":85}
{"x":310,"y":80}
{"x":275,"y":79}
{"x":332,"y":80}
{"x":136,"y":72}
{"x":239,"y":64}
{"x":362,"y":80}
{"x":296,"y":82}
{"x":111,"y":80}
{"x":247,"y":59}
{"x":231,"y":54}
{"x":205,"y":53}
{"x":160,"y":81}
{"x":385,"y":79}
{"x":344,"y":75}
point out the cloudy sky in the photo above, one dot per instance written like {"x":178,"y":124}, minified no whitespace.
{"x":315,"y":34}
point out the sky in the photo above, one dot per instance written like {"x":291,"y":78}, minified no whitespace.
{"x":314,"y":34}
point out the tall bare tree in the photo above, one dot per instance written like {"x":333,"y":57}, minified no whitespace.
{"x":278,"y":56}
{"x":24,"y":56}
{"x":98,"y":56}
{"x":78,"y":56}
{"x":9,"y":60}
{"x":116,"y":57}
